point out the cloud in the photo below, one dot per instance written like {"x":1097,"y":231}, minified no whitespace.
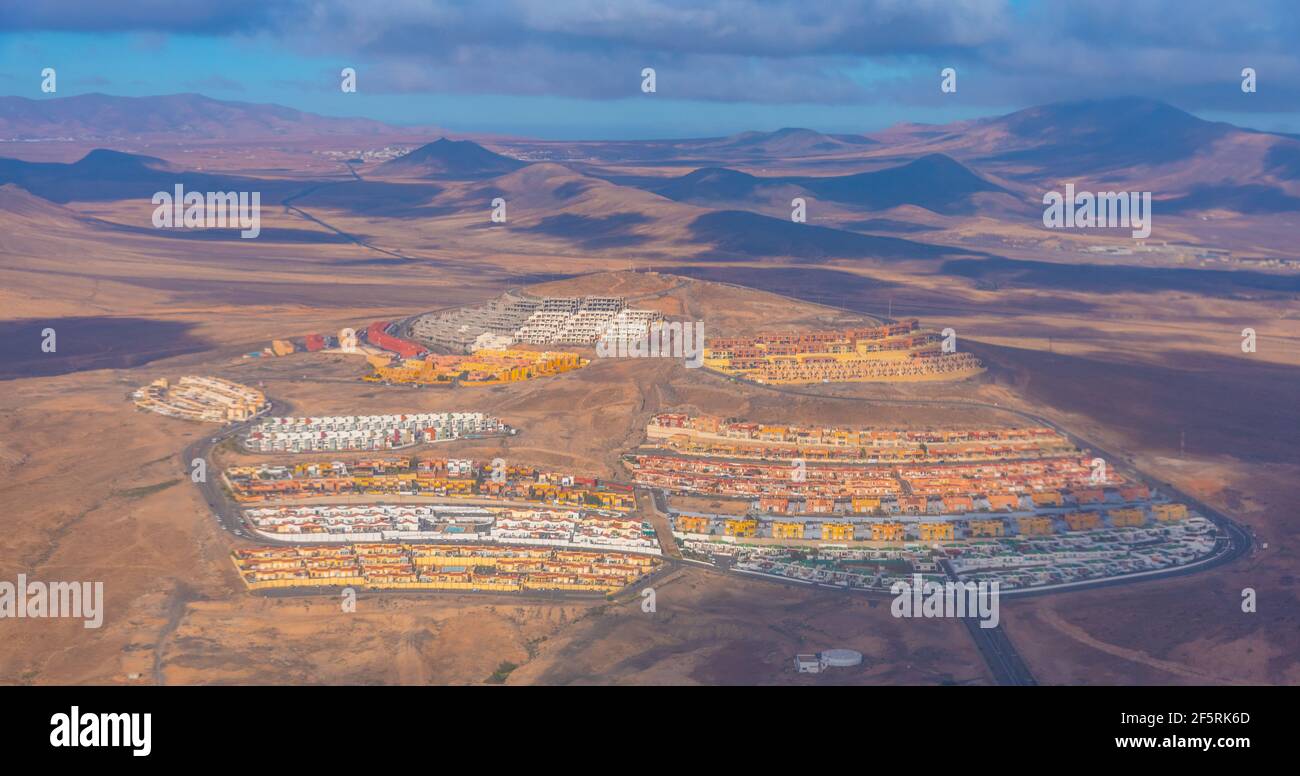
{"x":759,"y":51}
{"x":175,"y":16}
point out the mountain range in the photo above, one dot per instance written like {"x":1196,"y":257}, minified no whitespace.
{"x":907,"y":179}
{"x":102,"y":117}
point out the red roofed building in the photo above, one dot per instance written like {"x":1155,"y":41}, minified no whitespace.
{"x":377,"y":335}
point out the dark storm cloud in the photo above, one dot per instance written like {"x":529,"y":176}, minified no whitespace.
{"x":180,"y":16}
{"x":774,"y":51}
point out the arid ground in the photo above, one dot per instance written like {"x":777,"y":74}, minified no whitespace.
{"x":1144,"y":361}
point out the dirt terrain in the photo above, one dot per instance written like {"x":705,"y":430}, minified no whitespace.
{"x":127,"y":515}
{"x":1150,"y":368}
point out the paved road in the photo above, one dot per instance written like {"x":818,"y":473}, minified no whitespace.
{"x":226,"y":513}
{"x":230,"y":517}
{"x":993,"y":644}
{"x":996,"y":648}
{"x":1239,"y":537}
{"x":289,"y":207}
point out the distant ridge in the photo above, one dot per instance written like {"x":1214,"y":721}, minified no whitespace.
{"x":790,"y":141}
{"x":103,"y":175}
{"x":1123,"y":143}
{"x":101,"y":117}
{"x":1091,"y":135}
{"x":716,"y":184}
{"x":935,"y":182}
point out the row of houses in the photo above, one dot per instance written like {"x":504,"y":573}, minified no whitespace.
{"x":811,"y":368}
{"x":206,"y":399}
{"x":789,"y":342}
{"x":1106,"y":552}
{"x":711,"y":435}
{"x":455,"y":523}
{"x":366,"y":432}
{"x":833,"y":486}
{"x":441,"y":567}
{"x":451,"y":477}
{"x":1014,"y":562}
{"x":892,"y":352}
{"x":1030,"y":525}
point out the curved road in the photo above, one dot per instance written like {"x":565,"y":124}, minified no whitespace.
{"x":994,"y":646}
{"x":226,"y":514}
{"x":1239,"y":538}
{"x":1006,"y":664}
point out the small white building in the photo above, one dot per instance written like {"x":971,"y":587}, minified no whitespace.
{"x":831,"y":658}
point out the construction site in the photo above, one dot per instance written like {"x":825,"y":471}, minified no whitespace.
{"x":893,"y":352}
{"x":395,"y":566}
{"x":483,"y":367}
{"x":517,"y":318}
{"x":367,"y":432}
{"x":396,"y":360}
{"x":206,"y":399}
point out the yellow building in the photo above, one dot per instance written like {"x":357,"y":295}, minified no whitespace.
{"x":1165,"y":513}
{"x":744,"y":528}
{"x":608,"y":499}
{"x":888,"y":532}
{"x":865,"y":505}
{"x":937,"y":532}
{"x":1034,"y":526}
{"x":1127,"y":518}
{"x":689,"y":524}
{"x":1083,"y":521}
{"x":837,"y":532}
{"x":1048,"y":498}
{"x":988,"y":528}
{"x":482,"y":367}
{"x":783,"y":529}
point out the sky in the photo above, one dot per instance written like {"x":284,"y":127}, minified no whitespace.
{"x":571,"y":69}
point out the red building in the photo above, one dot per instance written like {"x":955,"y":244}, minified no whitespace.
{"x":377,"y":335}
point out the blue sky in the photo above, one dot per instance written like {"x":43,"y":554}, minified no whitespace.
{"x":571,"y":68}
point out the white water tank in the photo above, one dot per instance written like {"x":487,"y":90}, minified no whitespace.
{"x":841,"y":658}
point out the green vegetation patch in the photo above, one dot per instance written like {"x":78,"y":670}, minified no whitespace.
{"x":499,"y":676}
{"x":147,"y":490}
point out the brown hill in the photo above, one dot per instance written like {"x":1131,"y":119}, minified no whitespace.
{"x":99,"y":117}
{"x":453,"y":159}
